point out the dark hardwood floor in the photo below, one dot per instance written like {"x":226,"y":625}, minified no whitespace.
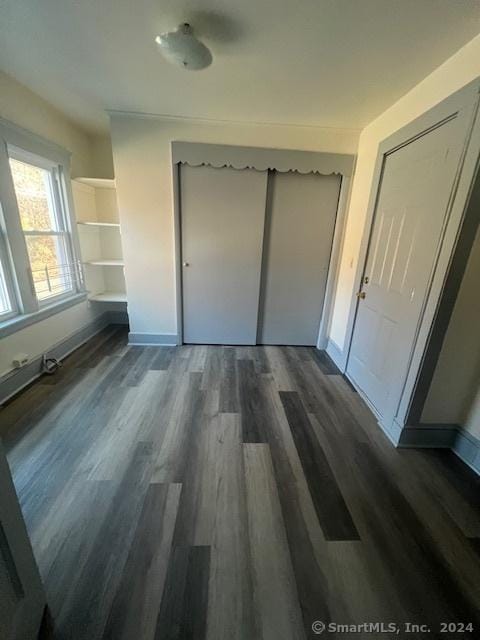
{"x":220,"y":492}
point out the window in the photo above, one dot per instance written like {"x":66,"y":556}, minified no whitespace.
{"x":44,"y":228}
{"x":39,"y":270}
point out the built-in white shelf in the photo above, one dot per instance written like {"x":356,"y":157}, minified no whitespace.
{"x":109,"y":296}
{"x":99,"y":235}
{"x":106,"y":263}
{"x":98,"y":183}
{"x":100,"y":224}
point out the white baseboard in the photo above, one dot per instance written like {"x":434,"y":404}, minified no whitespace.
{"x":153,"y":339}
{"x":336,"y":354}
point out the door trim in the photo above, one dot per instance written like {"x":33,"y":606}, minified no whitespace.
{"x":461,"y":104}
{"x":198,"y":153}
{"x":334,"y":263}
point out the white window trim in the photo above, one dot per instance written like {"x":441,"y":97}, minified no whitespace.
{"x":5,"y":262}
{"x":28,"y":147}
{"x":63,"y":219}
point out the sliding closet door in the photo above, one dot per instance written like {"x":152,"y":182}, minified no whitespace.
{"x":300,"y":221}
{"x":222,"y":217}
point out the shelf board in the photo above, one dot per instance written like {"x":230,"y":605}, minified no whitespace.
{"x":100,"y":224}
{"x":106,"y":263}
{"x":109,"y":296}
{"x":98,"y":183}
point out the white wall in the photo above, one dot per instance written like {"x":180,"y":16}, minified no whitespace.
{"x":457,"y":71}
{"x":102,"y":158}
{"x":141,"y":152}
{"x":24,"y":108}
{"x":42,"y":336}
{"x":456,"y":380}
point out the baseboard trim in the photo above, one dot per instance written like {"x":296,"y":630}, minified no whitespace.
{"x":441,"y":436}
{"x":336,"y":354}
{"x":467,"y":448}
{"x":444,"y":436}
{"x":118,"y":317}
{"x":16,"y":380}
{"x":153,"y":339}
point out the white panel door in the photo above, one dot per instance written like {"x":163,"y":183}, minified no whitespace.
{"x":222,"y":218}
{"x":22,"y":598}
{"x":410,"y":215}
{"x":301,"y":214}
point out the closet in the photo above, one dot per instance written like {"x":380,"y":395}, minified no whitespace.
{"x":299,"y":223}
{"x":256,"y":250}
{"x":223,"y":212}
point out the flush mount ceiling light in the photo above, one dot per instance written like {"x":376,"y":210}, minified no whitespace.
{"x":182,"y":47}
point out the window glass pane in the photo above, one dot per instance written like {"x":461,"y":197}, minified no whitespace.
{"x":5,"y":304}
{"x":52,"y":274}
{"x":34,"y":197}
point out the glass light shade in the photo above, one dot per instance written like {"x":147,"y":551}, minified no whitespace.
{"x":182,"y":48}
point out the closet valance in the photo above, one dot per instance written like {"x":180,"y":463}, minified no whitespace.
{"x":219,"y":155}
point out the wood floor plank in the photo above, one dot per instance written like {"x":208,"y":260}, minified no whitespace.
{"x":172,"y":457}
{"x":194,"y":465}
{"x":279,"y":369}
{"x":379,"y":587}
{"x":324,"y":362}
{"x":421,"y":564}
{"x":310,"y":572}
{"x":183,"y":610}
{"x":85,"y":612}
{"x":223,"y":520}
{"x":64,"y":541}
{"x":332,"y":511}
{"x":229,"y":401}
{"x":212,"y":374}
{"x":464,"y":511}
{"x":275,"y":593}
{"x":194,"y":621}
{"x":251,"y":401}
{"x":163,"y":358}
{"x":137,"y":601}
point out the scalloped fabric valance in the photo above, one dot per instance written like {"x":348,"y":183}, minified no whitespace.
{"x":196,"y":154}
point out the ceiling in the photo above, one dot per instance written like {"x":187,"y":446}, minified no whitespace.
{"x":333,"y":63}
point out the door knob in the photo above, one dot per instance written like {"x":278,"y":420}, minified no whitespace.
{"x":186,"y":264}
{"x":361,"y":295}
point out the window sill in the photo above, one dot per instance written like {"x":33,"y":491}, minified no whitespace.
{"x":20,"y":322}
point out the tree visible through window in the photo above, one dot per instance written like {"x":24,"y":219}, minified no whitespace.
{"x":44,"y":228}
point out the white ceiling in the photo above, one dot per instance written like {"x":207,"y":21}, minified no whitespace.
{"x":335,"y":63}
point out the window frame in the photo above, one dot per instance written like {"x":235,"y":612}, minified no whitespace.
{"x":62,"y":220}
{"x":8,"y":278}
{"x":27,"y":147}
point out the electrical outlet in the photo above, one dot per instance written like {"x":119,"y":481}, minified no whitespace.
{"x":20,"y":360}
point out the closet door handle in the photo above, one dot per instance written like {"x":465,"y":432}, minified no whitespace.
{"x":186,"y":264}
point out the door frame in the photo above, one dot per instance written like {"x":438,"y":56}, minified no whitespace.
{"x":464,"y":103}
{"x":17,"y":555}
{"x":262,"y":159}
